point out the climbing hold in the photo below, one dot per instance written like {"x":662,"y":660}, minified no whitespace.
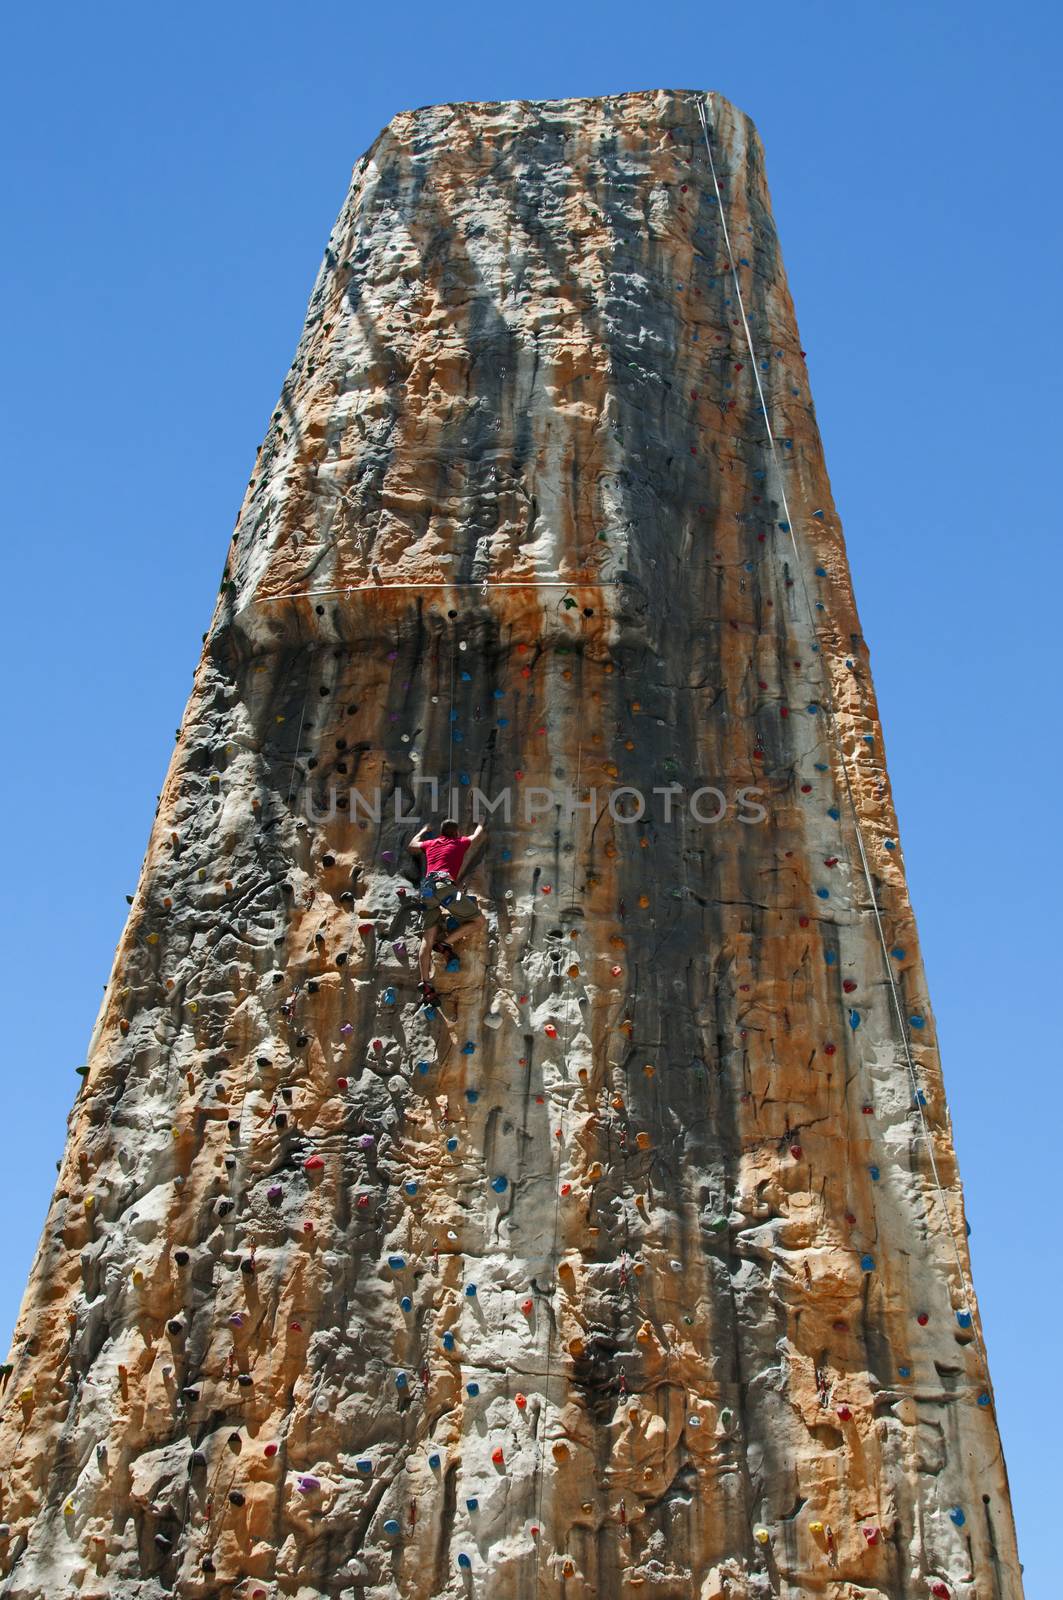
{"x":761,"y":1535}
{"x":957,"y":1516}
{"x":313,"y":1164}
{"x":470,"y":1291}
{"x":497,"y":1457}
{"x":392,"y":1528}
{"x":396,"y":1263}
{"x":468,"y":1048}
{"x":520,"y":1401}
{"x":867,"y":1263}
{"x":307,"y":1484}
{"x":500,"y":1185}
{"x":472,"y":1389}
{"x":871,"y":1535}
{"x":964,"y":1319}
{"x":854,"y":1020}
{"x":364,"y":1465}
{"x":463,"y":1561}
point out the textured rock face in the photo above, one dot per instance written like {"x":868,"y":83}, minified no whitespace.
{"x":628,"y":1269}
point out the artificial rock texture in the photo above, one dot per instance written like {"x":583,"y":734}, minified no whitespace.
{"x":626,"y":1270}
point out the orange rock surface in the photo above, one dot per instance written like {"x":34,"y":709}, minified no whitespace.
{"x":639,"y":1263}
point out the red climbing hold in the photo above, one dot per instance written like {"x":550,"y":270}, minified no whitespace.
{"x":829,"y":1049}
{"x":520,"y":1401}
{"x":497,"y":1457}
{"x":922,"y":1319}
{"x":313,"y":1164}
{"x":939,"y":1591}
{"x":796,"y":1151}
{"x":526,"y":1306}
{"x":844,"y":1414}
{"x":871,"y":1535}
{"x":849,"y":985}
{"x":802,"y":922}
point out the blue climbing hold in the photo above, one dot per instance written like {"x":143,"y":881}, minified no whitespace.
{"x":890,"y":844}
{"x":867,"y":1263}
{"x":833,"y":813}
{"x":830,"y":957}
{"x":396,"y":1263}
{"x":406,"y":1303}
{"x":434,"y":1461}
{"x":422,"y":1067}
{"x":983,"y":1399}
{"x":392,"y":1528}
{"x":875,"y":1174}
{"x":964,"y":1319}
{"x":823,"y":894}
{"x":821,"y":572}
{"x":820,"y":766}
{"x":818,"y":515}
{"x":869,"y":738}
{"x":499,"y":694}
{"x":452,"y":1144}
{"x":466,"y":677}
{"x":401,"y":1380}
{"x":957,"y":1516}
{"x":463,"y":1561}
{"x":389,"y":997}
{"x":468,"y":1048}
{"x":507,"y":855}
{"x":812,"y":707}
{"x":472,"y":1095}
{"x":854,"y":1020}
{"x":920,"y":1098}
{"x":904,"y":1372}
{"x":453,"y":716}
{"x":448,"y":1341}
{"x":411,"y":1187}
{"x":364,"y":1465}
{"x":500,"y":1185}
{"x":472,"y":1504}
{"x":472,"y":1389}
{"x":470,"y":1291}
{"x":453,"y":964}
{"x":917,"y":1021}
{"x":430,"y":1013}
{"x":784,"y":527}
{"x":897,"y":953}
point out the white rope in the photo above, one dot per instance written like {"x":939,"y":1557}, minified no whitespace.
{"x":445,"y":583}
{"x":829,"y":701}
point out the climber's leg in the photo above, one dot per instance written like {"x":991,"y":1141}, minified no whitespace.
{"x":424,"y":954}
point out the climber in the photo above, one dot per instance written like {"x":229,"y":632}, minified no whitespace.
{"x":442,"y":897}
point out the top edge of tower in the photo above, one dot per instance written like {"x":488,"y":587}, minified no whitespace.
{"x":573,"y":110}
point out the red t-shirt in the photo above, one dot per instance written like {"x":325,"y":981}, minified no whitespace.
{"x":446,"y":855}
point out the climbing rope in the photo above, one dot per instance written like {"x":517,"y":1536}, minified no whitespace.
{"x":833,"y":726}
{"x":539,"y":1490}
{"x":445,"y":583}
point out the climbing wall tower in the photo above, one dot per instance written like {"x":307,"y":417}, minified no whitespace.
{"x":639,"y":1263}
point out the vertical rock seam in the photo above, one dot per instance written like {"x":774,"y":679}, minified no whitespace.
{"x":639,"y":1263}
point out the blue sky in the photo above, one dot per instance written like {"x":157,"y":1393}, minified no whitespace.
{"x":170,"y":177}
